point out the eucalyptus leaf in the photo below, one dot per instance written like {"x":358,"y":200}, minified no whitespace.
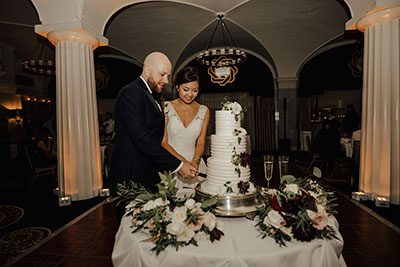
{"x":144,"y":197}
{"x":209,"y":202}
{"x":317,"y":172}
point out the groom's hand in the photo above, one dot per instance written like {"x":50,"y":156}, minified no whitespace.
{"x":188,"y":171}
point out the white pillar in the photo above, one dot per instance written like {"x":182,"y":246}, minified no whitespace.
{"x":78,"y":145}
{"x":380,"y":141}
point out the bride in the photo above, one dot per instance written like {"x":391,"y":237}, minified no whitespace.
{"x":186,"y":124}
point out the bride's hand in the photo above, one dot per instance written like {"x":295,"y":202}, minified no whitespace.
{"x":195,"y":164}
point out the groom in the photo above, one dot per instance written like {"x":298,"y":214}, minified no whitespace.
{"x":139,"y":127}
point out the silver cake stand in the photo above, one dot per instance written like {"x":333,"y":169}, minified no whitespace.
{"x":232,"y":206}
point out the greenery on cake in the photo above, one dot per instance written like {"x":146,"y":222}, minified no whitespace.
{"x":235,"y":108}
{"x":240,"y":159}
{"x":242,"y":187}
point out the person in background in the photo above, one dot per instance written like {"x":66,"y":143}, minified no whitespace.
{"x":351,"y":120}
{"x":109,"y":124}
{"x":43,"y":149}
{"x":50,"y":124}
{"x":5,"y":153}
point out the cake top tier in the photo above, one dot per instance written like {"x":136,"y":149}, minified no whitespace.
{"x":234,"y":107}
{"x":225,"y":123}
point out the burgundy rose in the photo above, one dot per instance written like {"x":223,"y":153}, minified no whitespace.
{"x":245,"y":159}
{"x":243,"y":187}
{"x":274,"y":204}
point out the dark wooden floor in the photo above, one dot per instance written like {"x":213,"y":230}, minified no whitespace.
{"x":89,"y":242}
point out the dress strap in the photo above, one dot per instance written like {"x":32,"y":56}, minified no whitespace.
{"x":168,"y":107}
{"x":202,"y":112}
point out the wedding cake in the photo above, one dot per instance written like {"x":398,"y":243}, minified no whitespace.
{"x":228,"y":171}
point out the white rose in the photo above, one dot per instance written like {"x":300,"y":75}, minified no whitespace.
{"x":292,"y":188}
{"x":236,"y":108}
{"x":275,"y":219}
{"x":176,"y":228}
{"x":168,"y":214}
{"x":131,"y":205}
{"x":149,"y":205}
{"x":198,"y":205}
{"x":190,"y":203}
{"x":186,"y":235}
{"x":313,"y":194}
{"x":201,"y":237}
{"x":160,"y":202}
{"x":320,"y":217}
{"x":210,"y":220}
{"x":179,"y":214}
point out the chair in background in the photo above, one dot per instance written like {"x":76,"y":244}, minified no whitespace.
{"x":38,"y":171}
{"x":315,"y":158}
{"x":108,"y":158}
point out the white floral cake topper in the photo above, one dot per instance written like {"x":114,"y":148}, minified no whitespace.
{"x":235,"y":107}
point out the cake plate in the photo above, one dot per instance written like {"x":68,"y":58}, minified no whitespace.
{"x":232,"y":206}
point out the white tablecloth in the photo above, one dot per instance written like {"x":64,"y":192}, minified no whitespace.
{"x":240,"y":246}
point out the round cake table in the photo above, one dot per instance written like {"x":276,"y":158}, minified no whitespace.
{"x":240,"y":246}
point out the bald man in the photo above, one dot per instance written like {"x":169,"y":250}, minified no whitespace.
{"x":139,"y":127}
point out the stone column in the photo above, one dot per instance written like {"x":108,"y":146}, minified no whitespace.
{"x":380,"y":140}
{"x":78,"y":145}
{"x":287,"y":88}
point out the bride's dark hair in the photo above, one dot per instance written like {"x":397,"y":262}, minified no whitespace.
{"x":186,"y":75}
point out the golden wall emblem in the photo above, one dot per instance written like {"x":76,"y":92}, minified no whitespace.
{"x":222,"y":72}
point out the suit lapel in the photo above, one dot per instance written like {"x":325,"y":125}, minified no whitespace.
{"x":152,"y":100}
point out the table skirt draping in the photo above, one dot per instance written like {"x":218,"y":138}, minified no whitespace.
{"x":240,"y":246}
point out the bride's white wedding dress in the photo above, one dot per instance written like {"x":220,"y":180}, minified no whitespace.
{"x":183,"y":139}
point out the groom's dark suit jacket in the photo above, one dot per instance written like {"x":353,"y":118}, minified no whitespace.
{"x":139,"y":125}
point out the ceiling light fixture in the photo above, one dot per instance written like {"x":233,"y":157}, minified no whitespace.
{"x":37,"y":64}
{"x":222,"y":60}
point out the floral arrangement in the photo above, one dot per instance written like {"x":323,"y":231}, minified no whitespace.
{"x":240,"y":159}
{"x":170,"y":221}
{"x":240,"y":188}
{"x":235,"y":107}
{"x":240,"y":133}
{"x":299,"y":209}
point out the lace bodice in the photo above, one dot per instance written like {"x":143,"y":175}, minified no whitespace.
{"x":181,"y":138}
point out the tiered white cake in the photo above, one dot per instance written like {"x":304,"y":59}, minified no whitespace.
{"x":229,"y":140}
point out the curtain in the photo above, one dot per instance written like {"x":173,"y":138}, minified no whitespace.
{"x":265,"y":124}
{"x":304,"y":113}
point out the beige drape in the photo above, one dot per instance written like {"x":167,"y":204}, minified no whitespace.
{"x":265,"y":123}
